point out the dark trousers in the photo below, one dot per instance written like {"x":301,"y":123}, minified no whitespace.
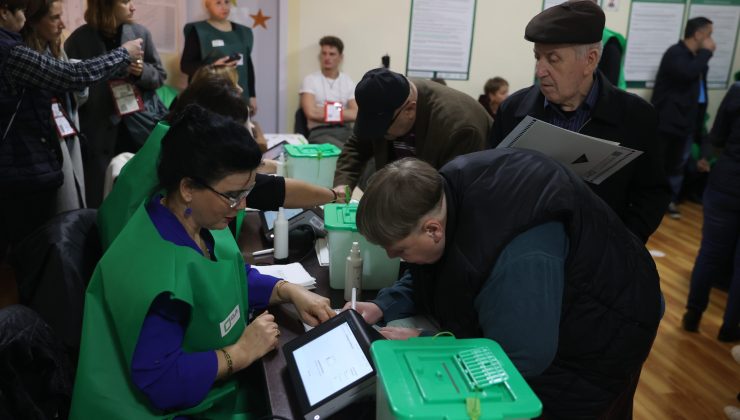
{"x":719,"y":254}
{"x":676,"y":151}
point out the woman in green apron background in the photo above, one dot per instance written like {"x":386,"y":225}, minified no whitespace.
{"x":165,"y":332}
{"x":217,"y":40}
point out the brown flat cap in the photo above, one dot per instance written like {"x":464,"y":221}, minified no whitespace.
{"x":578,"y":22}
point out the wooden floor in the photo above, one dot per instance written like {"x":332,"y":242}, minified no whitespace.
{"x":688,"y":375}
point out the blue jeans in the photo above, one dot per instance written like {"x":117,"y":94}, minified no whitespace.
{"x":719,"y":254}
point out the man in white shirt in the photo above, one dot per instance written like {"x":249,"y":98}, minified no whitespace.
{"x":328,"y":97}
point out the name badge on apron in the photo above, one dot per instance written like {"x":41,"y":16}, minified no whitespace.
{"x":333,"y":112}
{"x":217,"y":43}
{"x":227,"y":324}
{"x":62,"y":124}
{"x":126,"y":97}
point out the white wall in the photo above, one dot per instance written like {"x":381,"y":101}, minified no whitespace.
{"x":370,"y":29}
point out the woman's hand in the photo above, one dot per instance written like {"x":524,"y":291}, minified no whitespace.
{"x":225,"y":61}
{"x":259,"y":337}
{"x":398,"y":333}
{"x":369,"y":311}
{"x":134,"y":48}
{"x":312,"y":308}
{"x":136,"y":67}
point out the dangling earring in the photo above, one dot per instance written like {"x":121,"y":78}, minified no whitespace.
{"x":188,"y":210}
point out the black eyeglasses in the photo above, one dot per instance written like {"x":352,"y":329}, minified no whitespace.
{"x":233,"y":199}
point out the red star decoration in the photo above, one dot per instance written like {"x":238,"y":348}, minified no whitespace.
{"x":260,"y":19}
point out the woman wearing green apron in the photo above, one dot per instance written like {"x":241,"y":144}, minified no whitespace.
{"x":217,"y":40}
{"x":165,"y":331}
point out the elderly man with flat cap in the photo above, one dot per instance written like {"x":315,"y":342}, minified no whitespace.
{"x":574,"y":95}
{"x":400,"y":117}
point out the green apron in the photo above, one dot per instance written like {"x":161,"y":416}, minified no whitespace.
{"x":608,"y":34}
{"x":137,"y":267}
{"x":137,"y":182}
{"x":215,"y":44}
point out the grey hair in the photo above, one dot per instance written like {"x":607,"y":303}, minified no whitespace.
{"x":583,"y":49}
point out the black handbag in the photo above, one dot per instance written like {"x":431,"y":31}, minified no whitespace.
{"x":140,"y":124}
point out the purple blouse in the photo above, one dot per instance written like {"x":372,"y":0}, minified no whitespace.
{"x":171,"y":378}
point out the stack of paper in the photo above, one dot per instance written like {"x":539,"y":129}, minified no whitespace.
{"x":294,"y":273}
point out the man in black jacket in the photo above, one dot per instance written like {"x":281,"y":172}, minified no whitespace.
{"x":510,"y":245}
{"x":572,"y":94}
{"x":680,"y":97}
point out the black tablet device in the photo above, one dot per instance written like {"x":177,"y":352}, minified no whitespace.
{"x":313,"y":217}
{"x":273,"y":152}
{"x":330,"y":366}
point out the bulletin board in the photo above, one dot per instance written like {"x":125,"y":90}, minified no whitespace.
{"x":440,"y":38}
{"x":654,"y":25}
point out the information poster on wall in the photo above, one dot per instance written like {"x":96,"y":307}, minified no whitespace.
{"x":725,"y":16}
{"x":441,"y":38}
{"x":654,"y":26}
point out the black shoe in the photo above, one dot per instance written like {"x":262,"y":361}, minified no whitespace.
{"x":728,"y":335}
{"x":691,"y":320}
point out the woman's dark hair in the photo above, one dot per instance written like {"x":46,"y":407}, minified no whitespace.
{"x":216,"y":94}
{"x":205,"y":146}
{"x":35,"y":11}
{"x":13,"y":5}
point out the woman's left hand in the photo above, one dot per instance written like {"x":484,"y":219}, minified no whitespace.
{"x":136,"y":67}
{"x":398,"y":333}
{"x":312,"y":308}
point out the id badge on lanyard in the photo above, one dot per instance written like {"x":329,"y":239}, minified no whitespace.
{"x":126,"y":97}
{"x":333,"y":112}
{"x":61,"y":122}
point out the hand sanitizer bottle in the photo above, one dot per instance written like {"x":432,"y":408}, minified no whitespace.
{"x":353,"y":272}
{"x":280,"y":241}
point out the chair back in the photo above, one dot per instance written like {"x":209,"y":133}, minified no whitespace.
{"x":53,"y":266}
{"x":114,"y":168}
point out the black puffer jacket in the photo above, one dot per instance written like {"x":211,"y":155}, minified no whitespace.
{"x":30,"y":158}
{"x":611,"y":303}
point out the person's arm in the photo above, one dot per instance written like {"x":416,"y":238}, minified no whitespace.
{"x":723,"y":121}
{"x":308,"y":105}
{"x":397,"y":301}
{"x":312,"y":308}
{"x":519,"y":304}
{"x":648,"y":192}
{"x":685,"y":68}
{"x":190,"y":61}
{"x":27,"y":68}
{"x":303,"y":195}
{"x":350,"y":112}
{"x":351,"y":162}
{"x":611,"y":60}
{"x":154,"y":74}
{"x":259,"y":287}
{"x":167,"y":375}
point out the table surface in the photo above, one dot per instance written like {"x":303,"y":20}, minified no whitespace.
{"x":282,"y":398}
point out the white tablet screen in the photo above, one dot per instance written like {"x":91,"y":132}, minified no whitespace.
{"x":330,"y":363}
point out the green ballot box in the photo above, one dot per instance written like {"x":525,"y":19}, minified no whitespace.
{"x":378,"y":270}
{"x":449,"y":378}
{"x":314,"y":163}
